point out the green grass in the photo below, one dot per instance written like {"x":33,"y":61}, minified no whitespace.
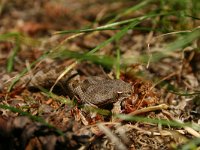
{"x":17,"y":39}
{"x":34,"y":118}
{"x":184,"y":29}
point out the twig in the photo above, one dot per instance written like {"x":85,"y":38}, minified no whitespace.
{"x":148,"y":109}
{"x":188,"y":129}
{"x":118,"y":144}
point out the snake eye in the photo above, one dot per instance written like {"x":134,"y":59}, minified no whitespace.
{"x":119,"y":94}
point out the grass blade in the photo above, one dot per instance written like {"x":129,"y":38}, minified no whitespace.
{"x":10,"y":62}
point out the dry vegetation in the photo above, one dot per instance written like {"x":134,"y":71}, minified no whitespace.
{"x":153,"y":45}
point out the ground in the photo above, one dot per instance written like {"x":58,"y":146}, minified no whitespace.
{"x":151,"y":45}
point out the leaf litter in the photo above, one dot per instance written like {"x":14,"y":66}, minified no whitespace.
{"x":34,"y":118}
